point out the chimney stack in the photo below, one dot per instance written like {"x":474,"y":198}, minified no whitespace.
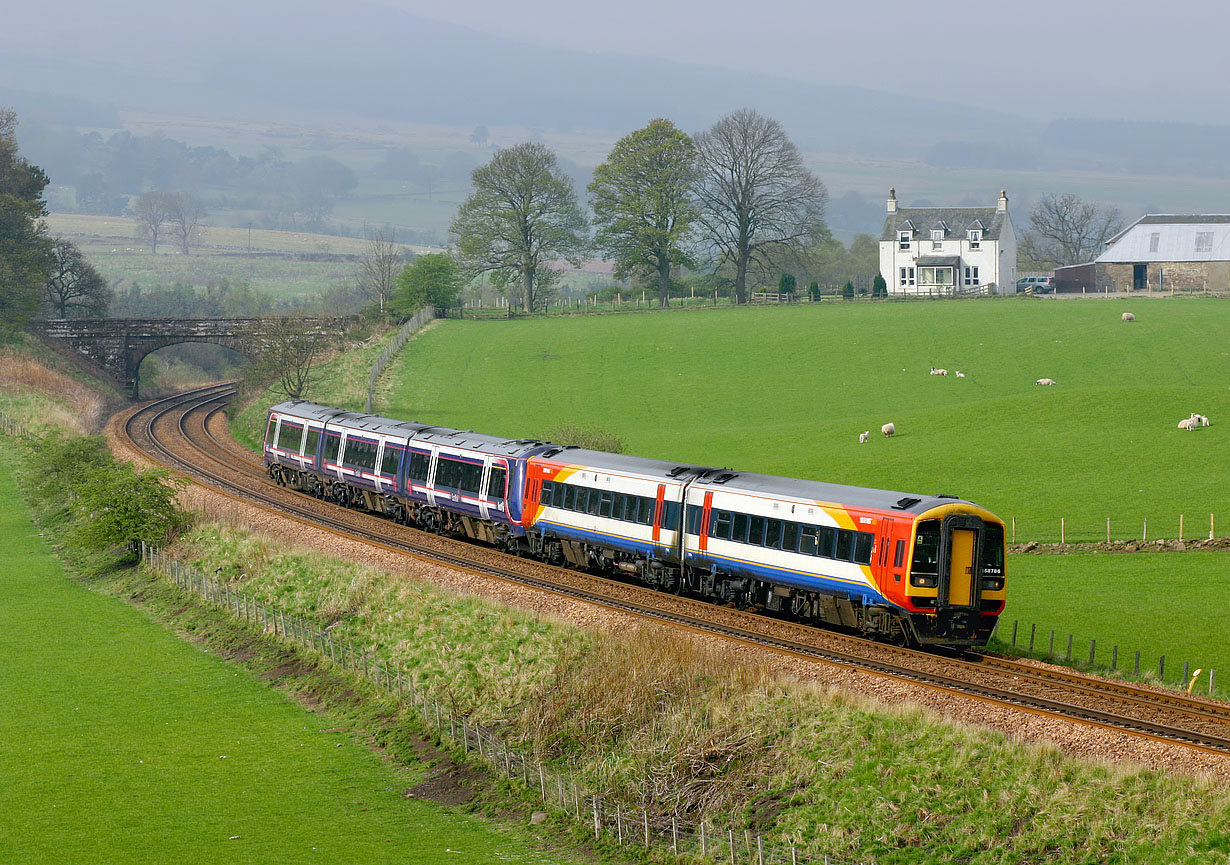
{"x":1003,"y":201}
{"x":892,"y":199}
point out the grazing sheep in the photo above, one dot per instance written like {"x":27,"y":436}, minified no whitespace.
{"x":960,"y":374}
{"x":888,"y":429}
{"x":1127,"y":316}
{"x":937,"y":371}
{"x":1045,"y":381}
{"x":863,"y":437}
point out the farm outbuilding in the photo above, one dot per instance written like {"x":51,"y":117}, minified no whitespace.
{"x":1159,"y":253}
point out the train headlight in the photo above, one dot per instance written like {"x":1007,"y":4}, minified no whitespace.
{"x":992,"y":584}
{"x":924,"y":581}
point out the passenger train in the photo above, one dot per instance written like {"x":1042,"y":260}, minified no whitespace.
{"x":924,"y":570}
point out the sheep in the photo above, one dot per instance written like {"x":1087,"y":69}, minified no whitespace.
{"x":1199,"y":419}
{"x":960,"y":374}
{"x":1127,"y":316}
{"x":1189,"y":423}
{"x":888,"y":429}
{"x":937,"y":371}
{"x":1045,"y":381}
{"x":1204,"y":421}
{"x":863,"y":437}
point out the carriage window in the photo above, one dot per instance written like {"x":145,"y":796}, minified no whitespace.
{"x":644,"y":510}
{"x":604,"y":504}
{"x":864,"y":543}
{"x":695,"y":513}
{"x":391,"y":460}
{"x":807,"y":540}
{"x":419,"y":464}
{"x":290,"y":435}
{"x":719,"y":525}
{"x":313,"y":441}
{"x":826,"y":539}
{"x":738,"y":530}
{"x":755,"y":532}
{"x":270,"y":431}
{"x":790,"y":537}
{"x":548,"y":493}
{"x":495,"y":484}
{"x":773,"y":534}
{"x":845,"y":545}
{"x":899,"y":556}
{"x":592,"y":502}
{"x":927,"y":548}
{"x":333,"y":443}
{"x":993,"y":547}
{"x":670,"y":519}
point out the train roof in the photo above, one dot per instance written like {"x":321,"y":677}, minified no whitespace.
{"x":842,"y":494}
{"x":419,"y":432}
{"x":664,"y":469}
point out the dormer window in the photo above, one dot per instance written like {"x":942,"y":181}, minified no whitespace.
{"x":937,"y":238}
{"x":903,"y":240}
{"x":975,"y":239}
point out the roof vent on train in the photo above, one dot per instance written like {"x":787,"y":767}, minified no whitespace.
{"x":907,"y":502}
{"x":557,"y":450}
{"x":677,"y":471}
{"x":725,"y":476}
{"x":946,"y":496}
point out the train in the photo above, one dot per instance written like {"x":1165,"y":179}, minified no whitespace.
{"x":920,"y":570}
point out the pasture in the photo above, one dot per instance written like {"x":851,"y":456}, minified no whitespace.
{"x":123,"y":743}
{"x":787,"y":390}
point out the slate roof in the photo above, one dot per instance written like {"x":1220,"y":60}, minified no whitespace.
{"x":958,"y":219}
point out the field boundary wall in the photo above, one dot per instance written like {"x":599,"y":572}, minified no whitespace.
{"x":416,"y":323}
{"x":610,"y":821}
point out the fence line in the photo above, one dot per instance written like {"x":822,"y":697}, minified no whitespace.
{"x":1187,"y":530}
{"x":9,"y":426}
{"x":407,"y":330}
{"x":1186,"y":682}
{"x":609,"y":819}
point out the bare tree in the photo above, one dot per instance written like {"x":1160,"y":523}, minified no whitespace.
{"x":1065,"y":229}
{"x":289,"y":356}
{"x":152,"y":210}
{"x":185,"y":212}
{"x":379,"y":267}
{"x":74,"y":288}
{"x":758,"y":202}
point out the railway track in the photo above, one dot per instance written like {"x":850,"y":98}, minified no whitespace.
{"x":177,"y":432}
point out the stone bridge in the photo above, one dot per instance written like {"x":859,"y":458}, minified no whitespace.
{"x":118,"y":345}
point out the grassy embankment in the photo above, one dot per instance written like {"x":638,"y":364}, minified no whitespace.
{"x":787,"y":390}
{"x":123,"y":743}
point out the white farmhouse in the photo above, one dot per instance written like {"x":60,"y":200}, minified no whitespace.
{"x":948,"y":250}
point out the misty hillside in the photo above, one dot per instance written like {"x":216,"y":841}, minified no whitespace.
{"x":322,"y":59}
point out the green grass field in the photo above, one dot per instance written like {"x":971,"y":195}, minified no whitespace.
{"x":123,"y":743}
{"x":787,"y":390}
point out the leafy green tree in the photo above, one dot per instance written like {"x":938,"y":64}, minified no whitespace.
{"x":25,"y":249}
{"x":433,"y":279}
{"x":786,"y":284}
{"x":758,"y":202}
{"x":522,"y":215}
{"x":643,"y":203}
{"x":119,"y":506}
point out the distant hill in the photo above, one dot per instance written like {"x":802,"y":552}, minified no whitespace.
{"x":294,"y":59}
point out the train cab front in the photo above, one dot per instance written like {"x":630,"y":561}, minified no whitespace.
{"x":956,"y":586}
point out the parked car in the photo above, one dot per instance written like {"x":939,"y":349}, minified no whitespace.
{"x":1035,"y":285}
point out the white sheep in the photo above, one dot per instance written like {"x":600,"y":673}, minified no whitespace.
{"x":1189,"y":423}
{"x":1045,"y":381}
{"x":888,"y":429}
{"x":937,"y":371}
{"x":863,"y":437}
{"x":1127,"y":316}
{"x":1204,"y":421}
{"x":960,"y":374}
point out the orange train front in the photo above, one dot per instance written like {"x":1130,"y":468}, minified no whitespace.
{"x":925,"y":570}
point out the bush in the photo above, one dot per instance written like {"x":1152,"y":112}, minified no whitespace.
{"x":847,"y":291}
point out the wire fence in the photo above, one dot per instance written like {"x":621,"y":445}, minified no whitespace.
{"x":407,"y":330}
{"x":1178,"y":528}
{"x":10,"y":427}
{"x":1114,"y":662}
{"x":610,"y":820}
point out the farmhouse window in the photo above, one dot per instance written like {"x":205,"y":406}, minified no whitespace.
{"x":903,"y":240}
{"x":1204,"y":241}
{"x":935,"y":276}
{"x":937,"y":238}
{"x":1153,"y":241}
{"x":971,"y":275}
{"x":975,"y":239}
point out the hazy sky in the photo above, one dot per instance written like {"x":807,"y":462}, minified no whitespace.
{"x":1127,"y":59}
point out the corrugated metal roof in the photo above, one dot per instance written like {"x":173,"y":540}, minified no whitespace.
{"x":1168,"y":237}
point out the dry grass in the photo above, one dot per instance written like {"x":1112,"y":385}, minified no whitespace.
{"x":49,"y":398}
